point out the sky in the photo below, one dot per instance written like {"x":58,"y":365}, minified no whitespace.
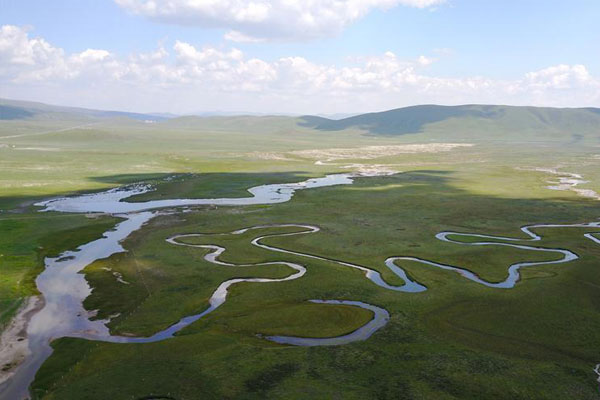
{"x":299,"y":56}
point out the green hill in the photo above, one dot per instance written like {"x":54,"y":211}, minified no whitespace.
{"x":427,"y":122}
{"x":466,"y":118}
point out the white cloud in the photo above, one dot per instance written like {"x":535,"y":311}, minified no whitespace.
{"x":560,"y":77}
{"x":91,"y":55}
{"x":188,"y":78}
{"x":24,"y":59}
{"x":423,"y":60}
{"x":266,"y":19}
{"x":16,"y":47}
{"x":19,"y":54}
{"x":239,"y":37}
{"x":561,"y":85}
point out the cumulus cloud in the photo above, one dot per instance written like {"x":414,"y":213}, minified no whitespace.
{"x":184,"y":77}
{"x":560,"y":77}
{"x":239,"y":37}
{"x":19,"y":54}
{"x":25,"y":59}
{"x":266,"y":19}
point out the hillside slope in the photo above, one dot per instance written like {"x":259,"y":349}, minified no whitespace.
{"x":16,"y":109}
{"x":431,"y":122}
{"x":467,"y":118}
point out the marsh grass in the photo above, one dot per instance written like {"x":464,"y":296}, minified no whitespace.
{"x":457,"y":339}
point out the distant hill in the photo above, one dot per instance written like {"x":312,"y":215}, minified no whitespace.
{"x":431,"y":122}
{"x":417,"y":119}
{"x":16,"y":109}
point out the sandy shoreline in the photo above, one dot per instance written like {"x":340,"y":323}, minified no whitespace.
{"x":14,"y":346}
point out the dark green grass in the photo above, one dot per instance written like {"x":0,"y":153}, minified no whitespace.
{"x":456,"y":340}
{"x":190,"y":186}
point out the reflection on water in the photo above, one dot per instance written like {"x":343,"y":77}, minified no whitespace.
{"x":111,"y":201}
{"x":64,"y":288}
{"x":380,"y":319}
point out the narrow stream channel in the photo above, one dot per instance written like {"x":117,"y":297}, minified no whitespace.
{"x":64,"y":288}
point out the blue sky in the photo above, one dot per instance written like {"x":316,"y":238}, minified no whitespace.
{"x":494,"y":51}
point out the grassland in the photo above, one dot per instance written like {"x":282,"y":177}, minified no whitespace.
{"x":456,"y":340}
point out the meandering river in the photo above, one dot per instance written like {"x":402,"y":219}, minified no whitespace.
{"x":64,"y":288}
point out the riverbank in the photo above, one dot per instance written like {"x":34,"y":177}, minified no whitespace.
{"x":14,"y":345}
{"x":64,"y":314}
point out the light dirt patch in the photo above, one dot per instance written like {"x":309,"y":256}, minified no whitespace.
{"x":357,"y":153}
{"x":14,"y":346}
{"x":371,"y":152}
{"x":261,"y":155}
{"x":371,"y":169}
{"x":37,"y":148}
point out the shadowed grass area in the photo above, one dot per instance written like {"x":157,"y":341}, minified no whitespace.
{"x":456,"y":340}
{"x":191,"y":186}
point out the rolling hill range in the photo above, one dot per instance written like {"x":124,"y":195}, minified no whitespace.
{"x":16,"y":109}
{"x":464,"y":122}
{"x":419,"y":118}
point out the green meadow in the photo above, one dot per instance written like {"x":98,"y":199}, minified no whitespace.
{"x":457,"y":340}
